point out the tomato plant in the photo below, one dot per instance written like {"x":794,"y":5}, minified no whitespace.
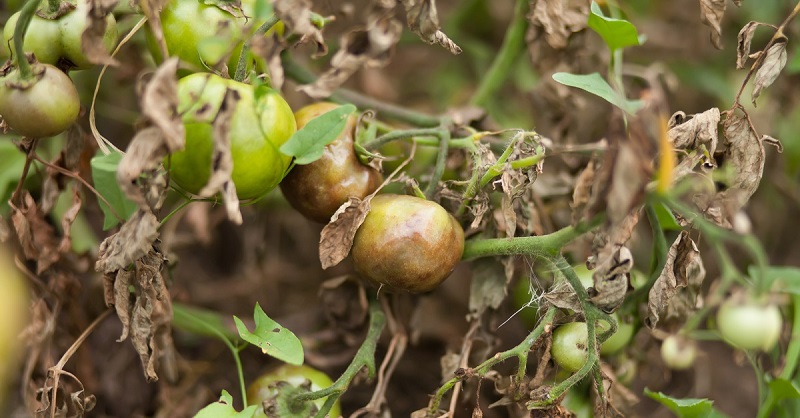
{"x":749,"y":324}
{"x":407,"y":243}
{"x":318,"y":189}
{"x":58,"y":42}
{"x":260,"y":122}
{"x":44,"y":106}
{"x":267,"y":386}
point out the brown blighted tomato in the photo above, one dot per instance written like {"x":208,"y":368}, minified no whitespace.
{"x":316,"y":190}
{"x":407,"y":243}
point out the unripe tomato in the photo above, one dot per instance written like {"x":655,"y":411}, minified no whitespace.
{"x":13,"y":318}
{"x":678,"y":352}
{"x":47,"y":107}
{"x":570,"y":347}
{"x":749,"y":325}
{"x":58,"y":42}
{"x":189,"y":26}
{"x":264,"y":387}
{"x":261,"y":122}
{"x":407,"y":243}
{"x":318,"y":189}
{"x":618,"y":340}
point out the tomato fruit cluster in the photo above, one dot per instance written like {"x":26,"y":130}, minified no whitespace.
{"x":41,"y":107}
{"x":407,"y":243}
{"x":260,"y":123}
{"x":265,"y":387}
{"x":58,"y":42}
{"x":318,"y":189}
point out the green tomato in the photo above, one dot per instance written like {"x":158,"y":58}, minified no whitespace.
{"x":749,"y":325}
{"x":204,"y":35}
{"x":678,"y":352}
{"x":58,"y":42}
{"x":45,"y":108}
{"x":318,"y":189}
{"x":261,"y":122}
{"x":407,"y":243}
{"x":14,"y":302}
{"x":265,"y":387}
{"x":618,"y":340}
{"x":570,"y":347}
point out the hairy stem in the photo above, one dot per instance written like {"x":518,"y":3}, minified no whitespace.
{"x":241,"y":65}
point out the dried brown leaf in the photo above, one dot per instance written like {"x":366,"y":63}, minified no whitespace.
{"x":365,"y":47}
{"x":296,"y":15}
{"x":159,"y":103}
{"x":67,"y":220}
{"x":771,"y":67}
{"x":140,"y":174}
{"x":611,"y":277}
{"x":423,"y":19}
{"x":92,"y":38}
{"x":744,"y":39}
{"x":35,"y":234}
{"x":133,"y":241}
{"x":488,"y":286}
{"x":269,"y":49}
{"x":337,"y":236}
{"x":582,"y":192}
{"x":699,"y":129}
{"x":711,"y":13}
{"x":683,"y":268}
{"x":559,"y":19}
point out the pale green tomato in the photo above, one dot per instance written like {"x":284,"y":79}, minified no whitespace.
{"x":678,"y":352}
{"x":264,"y":387}
{"x":570,"y":347}
{"x":749,"y":325}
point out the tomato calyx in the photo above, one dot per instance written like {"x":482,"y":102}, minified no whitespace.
{"x":285,"y":404}
{"x":64,"y":7}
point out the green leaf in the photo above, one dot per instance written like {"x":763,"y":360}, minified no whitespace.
{"x":308,"y":143}
{"x":595,"y":83}
{"x":104,"y":175}
{"x":224,"y":409}
{"x":12,"y":163}
{"x":782,"y":389}
{"x":784,"y":279}
{"x":273,"y":339}
{"x":686,"y":408}
{"x":665,"y":217}
{"x":617,"y":33}
{"x":201,"y":322}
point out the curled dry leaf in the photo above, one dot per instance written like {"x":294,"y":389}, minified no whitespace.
{"x":296,"y":15}
{"x":583,"y":188}
{"x":711,"y":13}
{"x":132,"y":242}
{"x":92,"y":44}
{"x":559,"y":19}
{"x":159,"y":103}
{"x":770,"y":68}
{"x":423,"y":19}
{"x":371,"y":47}
{"x":611,"y":277}
{"x":269,"y":49}
{"x":336,"y":238}
{"x":35,"y":234}
{"x":743,"y":41}
{"x":683,"y":270}
{"x":222,"y":159}
{"x":698,"y":130}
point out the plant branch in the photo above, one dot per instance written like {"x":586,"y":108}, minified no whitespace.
{"x":241,"y":65}
{"x":25,"y":17}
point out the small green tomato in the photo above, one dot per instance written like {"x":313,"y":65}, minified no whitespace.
{"x":570,"y":345}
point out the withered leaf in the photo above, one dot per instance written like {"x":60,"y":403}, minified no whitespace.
{"x":159,"y":103}
{"x":139,"y":173}
{"x":67,"y":220}
{"x":296,"y":15}
{"x":371,"y":47}
{"x":559,"y":19}
{"x":711,"y":13}
{"x":744,"y":39}
{"x":268,"y":49}
{"x":132,"y":242}
{"x":771,"y":67}
{"x":35,"y":234}
{"x":222,"y":159}
{"x":423,"y":19}
{"x":699,"y":129}
{"x":488,"y":286}
{"x":611,"y":277}
{"x":582,"y":191}
{"x":683,"y":268}
{"x":92,"y":38}
{"x":564,"y":297}
{"x":336,"y":238}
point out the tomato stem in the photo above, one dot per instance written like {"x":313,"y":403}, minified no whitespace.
{"x":24,"y":20}
{"x":241,"y":65}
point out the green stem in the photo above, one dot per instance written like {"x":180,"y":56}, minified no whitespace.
{"x":404,"y":134}
{"x":504,"y":60}
{"x":365,"y":357}
{"x":441,"y":160}
{"x":660,"y":249}
{"x":520,"y":351}
{"x":25,"y":17}
{"x":540,"y":246}
{"x":176,"y":210}
{"x":241,"y":65}
{"x":298,"y":73}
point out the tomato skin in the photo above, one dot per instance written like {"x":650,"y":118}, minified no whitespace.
{"x":46,"y":108}
{"x":618,"y":340}
{"x":570,"y":347}
{"x":407,"y":243}
{"x":260,"y":389}
{"x":749,"y":325}
{"x":58,"y":42}
{"x":678,"y":352}
{"x":318,"y":189}
{"x":261,"y":122}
